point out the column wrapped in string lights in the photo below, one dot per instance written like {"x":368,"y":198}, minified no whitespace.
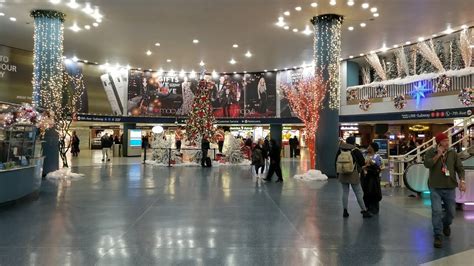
{"x":327,"y":52}
{"x":47,"y":54}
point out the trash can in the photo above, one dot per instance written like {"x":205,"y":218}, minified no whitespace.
{"x":117,"y":150}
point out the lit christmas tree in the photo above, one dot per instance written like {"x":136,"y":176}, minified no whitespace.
{"x":201,"y":119}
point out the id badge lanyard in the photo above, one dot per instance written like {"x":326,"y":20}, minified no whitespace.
{"x":444,"y":167}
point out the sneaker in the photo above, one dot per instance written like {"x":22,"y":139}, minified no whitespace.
{"x":438,"y":242}
{"x":366,"y":214}
{"x":346,"y":213}
{"x":447,"y":230}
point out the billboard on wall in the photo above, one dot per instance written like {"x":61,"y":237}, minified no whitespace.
{"x":232,"y":96}
{"x":16,"y":70}
{"x":291,"y":78}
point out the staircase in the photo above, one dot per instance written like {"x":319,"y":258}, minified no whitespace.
{"x":398,"y":163}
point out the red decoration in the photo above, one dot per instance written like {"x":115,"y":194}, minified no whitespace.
{"x":201,"y":119}
{"x":306,"y":99}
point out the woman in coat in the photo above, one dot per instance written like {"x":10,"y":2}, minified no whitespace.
{"x":371,"y":179}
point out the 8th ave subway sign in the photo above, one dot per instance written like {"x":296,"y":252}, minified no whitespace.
{"x":5,"y":66}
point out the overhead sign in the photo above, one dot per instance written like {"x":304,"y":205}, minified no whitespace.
{"x":433,"y":114}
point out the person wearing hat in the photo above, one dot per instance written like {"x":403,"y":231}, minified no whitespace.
{"x":444,"y":165}
{"x":349,"y":163}
{"x":371,"y":178}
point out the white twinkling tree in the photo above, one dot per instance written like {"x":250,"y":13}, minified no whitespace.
{"x":232,"y":149}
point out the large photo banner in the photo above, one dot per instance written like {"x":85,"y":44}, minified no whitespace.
{"x":291,"y":78}
{"x":16,"y":70}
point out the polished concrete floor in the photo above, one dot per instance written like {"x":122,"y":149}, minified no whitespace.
{"x":126,"y":213}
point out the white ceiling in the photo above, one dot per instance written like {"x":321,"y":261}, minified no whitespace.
{"x":131,"y":27}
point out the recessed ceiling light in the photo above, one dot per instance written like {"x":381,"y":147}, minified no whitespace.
{"x":363,"y":25}
{"x":351,"y":28}
{"x":86,"y":61}
{"x":298,"y":8}
{"x":87,"y":27}
{"x":195,"y":41}
{"x":95,"y":24}
{"x":232,"y":61}
{"x":372,"y":52}
{"x":421,"y":39}
{"x":148,"y":52}
{"x":376,"y":15}
{"x":192,"y":74}
{"x":407,"y":43}
{"x":351,"y":57}
{"x":55,"y":2}
{"x":395,"y":46}
{"x":202,"y":63}
{"x":75,"y":27}
{"x":2,"y":14}
{"x":265,"y":70}
{"x":365,"y":5}
{"x":373,"y":10}
{"x":99,"y":20}
{"x":248,"y":54}
{"x":235,"y":72}
{"x":286,"y":68}
{"x":384,"y":48}
{"x":168,"y":60}
{"x":12,"y":19}
{"x":350,"y":2}
{"x":307,"y":30}
{"x":245,"y":71}
{"x":361,"y":54}
{"x":286,"y":13}
{"x":286,"y":27}
{"x":295,"y":30}
{"x":448,"y":30}
{"x":72,"y":4}
{"x":157,"y":44}
{"x":75,"y":59}
{"x":235,"y":45}
{"x":434,"y":35}
{"x":314,"y":4}
{"x":88,"y":9}
{"x":332,"y":2}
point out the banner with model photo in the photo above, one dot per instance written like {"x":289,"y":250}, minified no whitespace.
{"x":155,"y":94}
{"x":290,"y":78}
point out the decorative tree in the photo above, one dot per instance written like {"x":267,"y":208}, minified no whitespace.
{"x":161,"y":150}
{"x":391,"y":66}
{"x":411,"y":54}
{"x":306,"y":99}
{"x":233,"y":149}
{"x":430,"y":59}
{"x":456,"y":61}
{"x":403,"y":67}
{"x":465,"y":47}
{"x":374,"y":61}
{"x":201,"y":119}
{"x":61,"y":98}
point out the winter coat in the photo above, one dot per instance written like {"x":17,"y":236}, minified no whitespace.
{"x":106,"y":142}
{"x":257,"y":156}
{"x":370,"y":182}
{"x":275,"y":154}
{"x":359,"y":161}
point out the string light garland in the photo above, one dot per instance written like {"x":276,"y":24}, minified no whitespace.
{"x":374,"y":62}
{"x":465,"y":47}
{"x":327,"y":51}
{"x":428,"y":52}
{"x":306,"y":99}
{"x":48,"y":53}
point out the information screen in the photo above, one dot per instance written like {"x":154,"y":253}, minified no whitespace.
{"x":135,"y":138}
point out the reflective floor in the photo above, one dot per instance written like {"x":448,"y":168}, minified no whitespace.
{"x":126,"y":213}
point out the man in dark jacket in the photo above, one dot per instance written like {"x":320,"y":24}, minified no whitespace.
{"x":443,"y":164}
{"x":293,"y":146}
{"x":205,"y":146}
{"x":275,"y":161}
{"x":106,"y":143}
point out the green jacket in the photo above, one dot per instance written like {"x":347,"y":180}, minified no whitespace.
{"x":437,"y":178}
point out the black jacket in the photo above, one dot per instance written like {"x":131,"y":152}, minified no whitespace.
{"x":205,"y":144}
{"x":275,"y":154}
{"x":106,"y":142}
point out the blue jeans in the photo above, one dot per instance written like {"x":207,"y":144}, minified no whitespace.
{"x":440,"y":219}
{"x":358,"y":192}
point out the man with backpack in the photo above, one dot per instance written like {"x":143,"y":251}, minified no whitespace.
{"x":349,"y":163}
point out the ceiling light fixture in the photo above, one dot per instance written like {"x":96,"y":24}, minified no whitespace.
{"x":373,"y":10}
{"x":295,"y":30}
{"x":307,"y":31}
{"x":248,"y":54}
{"x":168,"y":60}
{"x":275,"y":69}
{"x":298,"y":8}
{"x":332,"y":2}
{"x":361,"y":54}
{"x":448,"y":30}
{"x":286,"y":27}
{"x":148,"y":52}
{"x":314,"y":4}
{"x":245,"y":71}
{"x":182,"y":73}
{"x":395,"y":46}
{"x":88,"y":9}
{"x":2,"y":14}
{"x":75,"y":27}
{"x":351,"y":28}
{"x":421,"y":39}
{"x":192,"y":74}
{"x":286,"y":13}
{"x":235,"y":46}
{"x":202,"y":63}
{"x":265,"y":71}
{"x":351,"y":56}
{"x":75,"y":59}
{"x":12,"y":19}
{"x":214,"y":74}
{"x":73,"y":4}
{"x":365,"y":5}
{"x":376,"y":15}
{"x":55,"y":2}
{"x":195,"y":41}
{"x":157,"y":44}
{"x":95,"y":24}
{"x":384,"y":48}
{"x":350,"y":3}
{"x":232,"y":61}
{"x":363,"y":25}
{"x":408,"y":43}
{"x":87,"y":27}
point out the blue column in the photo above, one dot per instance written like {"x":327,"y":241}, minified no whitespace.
{"x":48,"y":52}
{"x":327,"y":51}
{"x":352,"y":74}
{"x":47,"y":71}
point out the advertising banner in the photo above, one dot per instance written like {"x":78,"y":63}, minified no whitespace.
{"x":291,"y":78}
{"x":16,"y":68}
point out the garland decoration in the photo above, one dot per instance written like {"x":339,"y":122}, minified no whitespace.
{"x":399,"y":102}
{"x":443,"y":84}
{"x":381,"y":91}
{"x":466,"y":96}
{"x":44,"y":13}
{"x":364,"y":104}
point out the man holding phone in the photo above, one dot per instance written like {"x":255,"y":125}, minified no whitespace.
{"x":443,"y":164}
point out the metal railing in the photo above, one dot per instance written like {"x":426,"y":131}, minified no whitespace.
{"x":398,"y":163}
